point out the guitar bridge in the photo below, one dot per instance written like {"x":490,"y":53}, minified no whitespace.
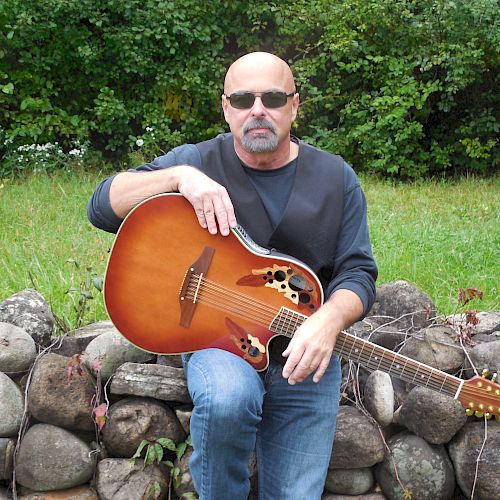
{"x":191,"y":286}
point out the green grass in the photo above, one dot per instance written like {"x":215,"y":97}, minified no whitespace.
{"x":439,"y":235}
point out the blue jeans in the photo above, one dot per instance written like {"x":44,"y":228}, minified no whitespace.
{"x":237,"y":409}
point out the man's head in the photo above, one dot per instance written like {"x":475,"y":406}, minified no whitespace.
{"x":260,"y":103}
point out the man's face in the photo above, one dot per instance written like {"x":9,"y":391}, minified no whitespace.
{"x":260,"y":129}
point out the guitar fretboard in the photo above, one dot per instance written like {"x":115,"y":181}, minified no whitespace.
{"x":375,"y":357}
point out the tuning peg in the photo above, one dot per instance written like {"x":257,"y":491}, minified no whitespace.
{"x":479,"y":414}
{"x":485,"y":373}
{"x":494,"y":377}
{"x":469,"y":412}
{"x":488,"y":416}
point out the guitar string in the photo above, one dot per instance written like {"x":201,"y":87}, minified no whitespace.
{"x":363,"y":357}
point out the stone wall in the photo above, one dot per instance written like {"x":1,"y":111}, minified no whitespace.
{"x":75,"y":409}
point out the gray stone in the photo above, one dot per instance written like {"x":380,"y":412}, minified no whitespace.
{"x":155,"y":381}
{"x":17,"y":349}
{"x":51,"y":458}
{"x":379,"y":397}
{"x":433,"y":416}
{"x":85,"y":492}
{"x":423,"y":469}
{"x":76,"y":341}
{"x":5,"y":494}
{"x":485,"y":355}
{"x":358,"y":442}
{"x":110,"y":350}
{"x":464,"y":450}
{"x":55,"y":398}
{"x":11,"y":407}
{"x":174,"y":360}
{"x":369,"y":496}
{"x":349,"y":481}
{"x":138,"y":419}
{"x":29,"y":311}
{"x":488,"y":323}
{"x":403,"y":301}
{"x":7,"y":446}
{"x":184,"y":413}
{"x":435,"y":347}
{"x":119,"y":479}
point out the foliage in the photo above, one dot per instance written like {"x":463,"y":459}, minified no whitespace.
{"x":401,"y":87}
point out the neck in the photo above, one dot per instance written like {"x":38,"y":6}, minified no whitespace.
{"x":285,"y":153}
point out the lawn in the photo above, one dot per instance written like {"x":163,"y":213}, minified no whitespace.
{"x":439,"y":235}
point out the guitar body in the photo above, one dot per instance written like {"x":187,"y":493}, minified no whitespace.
{"x":172,"y":287}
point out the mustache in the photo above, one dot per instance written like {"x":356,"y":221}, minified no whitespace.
{"x":259,"y":123}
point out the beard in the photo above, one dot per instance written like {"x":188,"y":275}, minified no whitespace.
{"x":260,"y":143}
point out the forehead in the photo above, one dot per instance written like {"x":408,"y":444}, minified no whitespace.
{"x":258,"y":76}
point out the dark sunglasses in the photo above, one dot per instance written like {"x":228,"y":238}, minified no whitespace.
{"x":271,"y":99}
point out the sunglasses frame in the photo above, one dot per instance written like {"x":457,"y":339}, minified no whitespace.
{"x":263,"y":96}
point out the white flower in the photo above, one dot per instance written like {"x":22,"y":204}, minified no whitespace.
{"x":139,"y":142}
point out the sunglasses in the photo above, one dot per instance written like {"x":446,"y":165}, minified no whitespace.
{"x":271,"y":99}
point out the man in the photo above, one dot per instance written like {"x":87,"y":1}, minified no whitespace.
{"x":303,"y":202}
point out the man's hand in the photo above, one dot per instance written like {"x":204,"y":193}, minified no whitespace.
{"x":312,"y":345}
{"x":210,"y":200}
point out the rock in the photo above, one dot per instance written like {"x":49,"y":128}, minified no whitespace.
{"x":55,"y":399}
{"x":358,"y":442}
{"x":435,"y":347}
{"x":7,"y":447}
{"x":433,"y":416}
{"x":155,"y":381}
{"x":51,"y":458}
{"x":186,"y":481}
{"x":485,"y":355}
{"x":29,"y":311}
{"x":488,"y":323}
{"x":76,"y":342}
{"x":389,"y":337}
{"x":403,"y":301}
{"x":174,"y":360}
{"x":119,"y":479}
{"x":349,"y":481}
{"x":5,"y":494}
{"x":138,"y":419}
{"x":110,"y":350}
{"x":369,"y":496}
{"x":17,"y":349}
{"x":379,"y":397}
{"x":464,"y":450}
{"x":423,"y":469}
{"x":354,"y":378}
{"x":11,"y":407}
{"x":85,"y":492}
{"x":184,"y":413}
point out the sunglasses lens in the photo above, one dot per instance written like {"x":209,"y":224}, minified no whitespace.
{"x":242,"y":100}
{"x":274,"y":99}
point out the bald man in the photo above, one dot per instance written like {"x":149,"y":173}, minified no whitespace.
{"x":303,"y":202}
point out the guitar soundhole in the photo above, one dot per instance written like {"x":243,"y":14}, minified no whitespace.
{"x":297,"y":283}
{"x":304,"y":298}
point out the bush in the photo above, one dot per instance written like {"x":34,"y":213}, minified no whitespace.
{"x":398,"y":87}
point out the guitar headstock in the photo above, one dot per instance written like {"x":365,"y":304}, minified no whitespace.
{"x":481,"y":397}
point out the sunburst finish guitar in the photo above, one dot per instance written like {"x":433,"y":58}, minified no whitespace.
{"x":171,"y":287}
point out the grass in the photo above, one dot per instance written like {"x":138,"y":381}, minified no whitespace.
{"x":439,"y":235}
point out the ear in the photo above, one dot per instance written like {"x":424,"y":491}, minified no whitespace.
{"x":225,"y":105}
{"x":295,"y":105}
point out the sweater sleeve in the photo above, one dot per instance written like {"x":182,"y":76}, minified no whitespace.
{"x":99,"y":210}
{"x":354,"y":266}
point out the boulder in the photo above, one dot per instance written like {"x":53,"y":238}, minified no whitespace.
{"x":76,"y":341}
{"x":431,"y":415}
{"x":7,"y":446}
{"x":435,"y":347}
{"x":464,"y":450}
{"x":379,"y":397}
{"x":138,"y":419}
{"x":120,"y":479}
{"x":85,"y":492}
{"x":58,"y":399}
{"x":17,"y":349}
{"x":11,"y":407}
{"x":358,"y":442}
{"x":29,"y":311}
{"x":484,"y":355}
{"x":109,"y":351}
{"x":403,"y":301}
{"x":349,"y":481}
{"x":52,"y":458}
{"x":423,"y":469}
{"x":155,"y":381}
{"x":487,"y":322}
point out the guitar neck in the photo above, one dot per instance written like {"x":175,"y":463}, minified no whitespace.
{"x":375,"y":357}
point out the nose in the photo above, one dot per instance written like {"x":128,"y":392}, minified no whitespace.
{"x":258,"y":108}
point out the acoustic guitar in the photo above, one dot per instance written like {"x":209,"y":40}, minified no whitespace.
{"x":171,"y":287}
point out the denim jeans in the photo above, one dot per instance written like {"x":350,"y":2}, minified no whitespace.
{"x":237,"y":409}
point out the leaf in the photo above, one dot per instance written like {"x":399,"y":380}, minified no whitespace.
{"x":158,"y":452}
{"x":138,"y":452}
{"x":100,"y":415}
{"x":167,"y":443}
{"x":8,"y":88}
{"x":181,"y":449}
{"x":465,"y":295}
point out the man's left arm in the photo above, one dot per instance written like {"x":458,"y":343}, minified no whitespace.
{"x":351,"y":292}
